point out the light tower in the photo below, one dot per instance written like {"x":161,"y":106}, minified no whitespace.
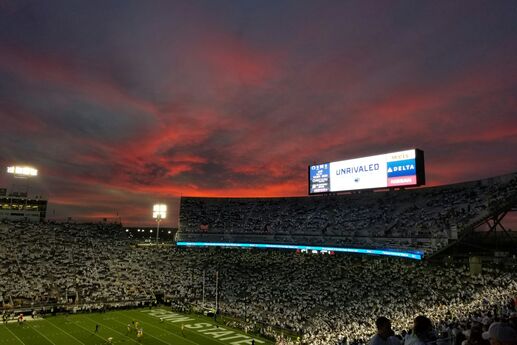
{"x":24,"y":173}
{"x":159,"y":213}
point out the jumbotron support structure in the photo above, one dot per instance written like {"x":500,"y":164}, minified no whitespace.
{"x":487,"y":235}
{"x":495,"y":222}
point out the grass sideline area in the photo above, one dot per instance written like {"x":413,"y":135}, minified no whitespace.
{"x":160,"y":326}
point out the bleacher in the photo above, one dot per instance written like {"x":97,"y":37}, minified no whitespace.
{"x":423,"y":219}
{"x":325,"y":297}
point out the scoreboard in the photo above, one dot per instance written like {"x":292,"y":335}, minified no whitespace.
{"x":388,"y":170}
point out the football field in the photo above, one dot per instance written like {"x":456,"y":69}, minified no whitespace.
{"x":159,"y":326}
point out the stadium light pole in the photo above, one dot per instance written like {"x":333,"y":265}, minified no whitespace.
{"x":23,"y":173}
{"x":159,"y":213}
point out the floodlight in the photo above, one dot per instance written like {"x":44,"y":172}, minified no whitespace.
{"x":151,"y":231}
{"x":160,"y":211}
{"x":22,"y":171}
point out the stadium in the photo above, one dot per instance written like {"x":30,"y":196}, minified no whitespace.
{"x":311,"y":270}
{"x":218,"y":172}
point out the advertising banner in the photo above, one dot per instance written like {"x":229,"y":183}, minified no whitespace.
{"x":396,"y":169}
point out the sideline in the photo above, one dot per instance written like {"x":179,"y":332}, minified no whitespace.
{"x":26,"y":320}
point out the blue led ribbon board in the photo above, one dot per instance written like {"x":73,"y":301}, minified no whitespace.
{"x":416,"y":255}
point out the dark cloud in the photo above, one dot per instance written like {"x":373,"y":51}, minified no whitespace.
{"x":124,"y":103}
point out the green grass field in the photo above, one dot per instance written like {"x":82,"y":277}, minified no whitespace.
{"x":79,"y":329}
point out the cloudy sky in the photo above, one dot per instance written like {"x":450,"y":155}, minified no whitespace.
{"x":124,"y":103}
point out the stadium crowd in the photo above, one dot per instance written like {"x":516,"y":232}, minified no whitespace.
{"x":322,"y":299}
{"x":423,"y":219}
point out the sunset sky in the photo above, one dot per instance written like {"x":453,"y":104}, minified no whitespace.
{"x":123,"y":103}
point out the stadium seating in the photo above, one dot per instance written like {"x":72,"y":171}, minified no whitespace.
{"x":419,"y":219}
{"x":323,"y":297}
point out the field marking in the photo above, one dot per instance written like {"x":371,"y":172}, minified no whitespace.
{"x":43,"y":335}
{"x":170,"y":331}
{"x":162,"y":330}
{"x":95,"y":334}
{"x":193,"y":331}
{"x":166,"y":330}
{"x":100,"y":323}
{"x":21,"y":341}
{"x":200,"y":333}
{"x":64,"y":331}
{"x":161,"y":341}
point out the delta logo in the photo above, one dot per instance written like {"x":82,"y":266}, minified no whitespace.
{"x":405,"y":167}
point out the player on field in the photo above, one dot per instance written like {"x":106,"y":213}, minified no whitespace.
{"x":97,"y":328}
{"x":128,"y":329}
{"x":139,"y":334}
{"x":21,"y":319}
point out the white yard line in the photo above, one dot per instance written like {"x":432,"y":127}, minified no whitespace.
{"x":62,"y":330}
{"x":95,"y":334}
{"x":21,"y":341}
{"x":111,"y":329}
{"x":161,"y":341}
{"x":165,"y":330}
{"x":43,"y":335}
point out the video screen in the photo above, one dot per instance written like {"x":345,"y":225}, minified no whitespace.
{"x":389,"y":170}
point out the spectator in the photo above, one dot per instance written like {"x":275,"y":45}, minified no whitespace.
{"x":475,"y":336}
{"x":501,"y":333}
{"x":513,"y":320}
{"x":385,"y":335}
{"x":422,"y":332}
